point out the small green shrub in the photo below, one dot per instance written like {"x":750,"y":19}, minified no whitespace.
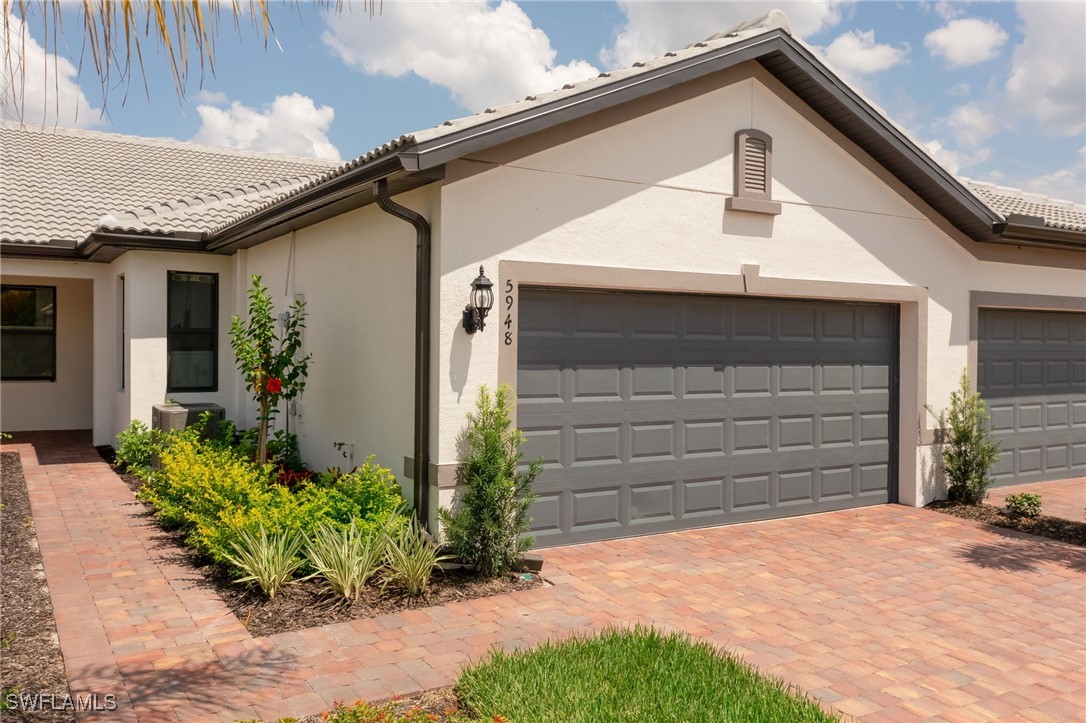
{"x":370,"y":491}
{"x":1025,"y":504}
{"x":968,"y":451}
{"x":268,"y":560}
{"x":137,"y":445}
{"x":411,"y":555}
{"x":345,"y":557}
{"x":488,"y":529}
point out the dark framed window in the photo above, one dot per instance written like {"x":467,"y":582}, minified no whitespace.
{"x":192,"y":336}
{"x":28,"y":333}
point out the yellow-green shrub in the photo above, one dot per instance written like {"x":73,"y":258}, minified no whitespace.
{"x":217,"y":497}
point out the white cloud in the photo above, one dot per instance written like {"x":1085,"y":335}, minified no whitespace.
{"x":967,"y":41}
{"x":857,"y":53}
{"x":484,"y":54}
{"x":291,"y":124}
{"x":1048,"y":79}
{"x":43,"y":85}
{"x":946,"y":9}
{"x":956,"y":161}
{"x":653,"y":28}
{"x":973,"y":123}
{"x":211,"y":97}
{"x":1066,"y":183}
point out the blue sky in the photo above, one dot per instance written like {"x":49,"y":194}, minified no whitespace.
{"x":996,"y":91}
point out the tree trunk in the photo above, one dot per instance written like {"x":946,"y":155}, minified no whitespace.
{"x":262,"y":435}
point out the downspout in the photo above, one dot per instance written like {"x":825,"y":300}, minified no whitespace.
{"x":422,"y":344}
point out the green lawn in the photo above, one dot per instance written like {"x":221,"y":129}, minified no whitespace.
{"x":628,"y":675}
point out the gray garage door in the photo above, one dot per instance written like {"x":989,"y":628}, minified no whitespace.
{"x":1032,"y":373}
{"x":658,"y":412}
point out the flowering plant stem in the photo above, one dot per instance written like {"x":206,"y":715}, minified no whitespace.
{"x":268,"y":360}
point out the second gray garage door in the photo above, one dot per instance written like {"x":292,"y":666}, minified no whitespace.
{"x":1031,"y":371}
{"x":658,"y":412}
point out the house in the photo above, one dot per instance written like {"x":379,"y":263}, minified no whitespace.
{"x":726,"y":287}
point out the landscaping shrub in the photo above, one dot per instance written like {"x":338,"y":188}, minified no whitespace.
{"x":137,"y":446}
{"x":632,"y":675}
{"x":968,"y":451}
{"x":488,"y":529}
{"x":369,"y":491}
{"x":411,"y":555}
{"x":216,"y":496}
{"x":268,"y":560}
{"x":1024,"y":504}
{"x":267,"y":360}
{"x":345,"y":557}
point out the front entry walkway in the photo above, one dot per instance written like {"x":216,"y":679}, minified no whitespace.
{"x":886,"y":613}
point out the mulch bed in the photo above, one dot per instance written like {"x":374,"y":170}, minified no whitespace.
{"x":1055,"y":528}
{"x":31,"y":659}
{"x":307,"y":604}
{"x":434,"y":702}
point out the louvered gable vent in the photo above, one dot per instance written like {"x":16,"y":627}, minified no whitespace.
{"x":753,"y":174}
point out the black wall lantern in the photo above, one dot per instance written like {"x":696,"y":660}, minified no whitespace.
{"x":482,"y":301}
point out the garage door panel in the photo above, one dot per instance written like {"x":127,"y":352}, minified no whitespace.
{"x":1032,"y":372}
{"x":663,"y":412}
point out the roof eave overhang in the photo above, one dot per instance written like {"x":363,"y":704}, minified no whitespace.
{"x":311,"y":205}
{"x":105,"y":246}
{"x":59,"y":250}
{"x":1031,"y":231}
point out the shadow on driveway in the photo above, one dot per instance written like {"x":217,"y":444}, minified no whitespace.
{"x":1021,"y":552}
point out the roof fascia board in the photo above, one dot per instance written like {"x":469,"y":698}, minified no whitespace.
{"x":53,"y":250}
{"x":803,"y":58}
{"x":108,"y":246}
{"x":308,"y":201}
{"x":1029,"y":234}
{"x":508,"y":128}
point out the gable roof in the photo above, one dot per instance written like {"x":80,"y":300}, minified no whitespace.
{"x":766,"y":40}
{"x":61,"y":185}
{"x":223,"y":221}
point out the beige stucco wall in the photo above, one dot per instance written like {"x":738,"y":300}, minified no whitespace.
{"x":646,"y":190}
{"x":67,"y":402}
{"x":145,"y":274}
{"x":356,"y":273}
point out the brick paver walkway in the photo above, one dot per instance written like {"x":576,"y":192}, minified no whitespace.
{"x":1062,"y":498}
{"x":886,"y":613}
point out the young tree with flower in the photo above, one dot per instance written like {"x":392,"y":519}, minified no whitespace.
{"x":266,"y":359}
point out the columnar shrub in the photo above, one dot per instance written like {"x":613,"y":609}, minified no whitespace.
{"x":488,"y":529}
{"x":968,"y":451}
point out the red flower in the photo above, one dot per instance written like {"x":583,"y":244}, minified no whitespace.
{"x":274,"y":386}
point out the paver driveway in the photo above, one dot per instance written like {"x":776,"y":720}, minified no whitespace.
{"x":885,"y":613}
{"x":1061,"y":498}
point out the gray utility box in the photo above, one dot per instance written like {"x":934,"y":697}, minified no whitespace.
{"x":175,"y":417}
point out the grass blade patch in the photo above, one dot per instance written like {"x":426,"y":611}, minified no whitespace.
{"x":631,"y":675}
